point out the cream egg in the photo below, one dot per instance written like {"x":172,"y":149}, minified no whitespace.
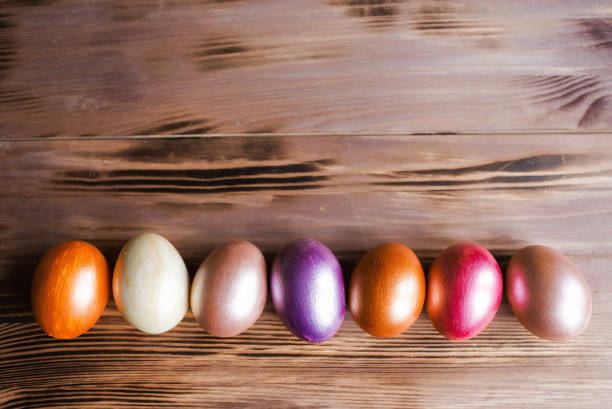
{"x":151,"y":284}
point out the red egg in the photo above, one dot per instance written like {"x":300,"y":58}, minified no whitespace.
{"x":464,"y":290}
{"x":70,"y":289}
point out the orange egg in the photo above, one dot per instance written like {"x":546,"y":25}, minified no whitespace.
{"x":70,"y":289}
{"x":387,"y":290}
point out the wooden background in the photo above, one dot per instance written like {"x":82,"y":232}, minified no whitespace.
{"x":353,"y":122}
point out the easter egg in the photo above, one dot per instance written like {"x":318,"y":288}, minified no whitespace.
{"x":229,"y":289}
{"x":151,"y":284}
{"x":464,"y":290}
{"x":307,"y":290}
{"x":548,"y":293}
{"x":387,"y":290}
{"x":70,"y":289}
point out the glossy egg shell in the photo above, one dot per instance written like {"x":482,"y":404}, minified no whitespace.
{"x":307,"y":290}
{"x":464,"y":290}
{"x":151,"y":284}
{"x":229,"y":290}
{"x":70,"y":289}
{"x":548,"y":293}
{"x":387,"y":290}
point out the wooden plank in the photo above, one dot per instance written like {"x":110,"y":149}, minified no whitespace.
{"x":114,"y":365}
{"x":351,"y":192}
{"x":71,"y":68}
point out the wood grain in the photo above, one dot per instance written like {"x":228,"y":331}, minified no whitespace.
{"x":353,"y":122}
{"x":114,"y":365}
{"x":71,"y":68}
{"x":351,"y":192}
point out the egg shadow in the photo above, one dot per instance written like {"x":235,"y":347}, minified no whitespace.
{"x":15,"y":298}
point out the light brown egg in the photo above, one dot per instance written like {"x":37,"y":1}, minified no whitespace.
{"x":229,"y":289}
{"x":547,"y":293}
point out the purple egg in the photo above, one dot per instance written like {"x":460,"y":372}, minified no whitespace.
{"x":307,"y":290}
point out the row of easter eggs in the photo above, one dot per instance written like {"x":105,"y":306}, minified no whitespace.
{"x":387,"y":289}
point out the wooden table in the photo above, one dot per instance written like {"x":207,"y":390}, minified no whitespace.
{"x":354,"y":122}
